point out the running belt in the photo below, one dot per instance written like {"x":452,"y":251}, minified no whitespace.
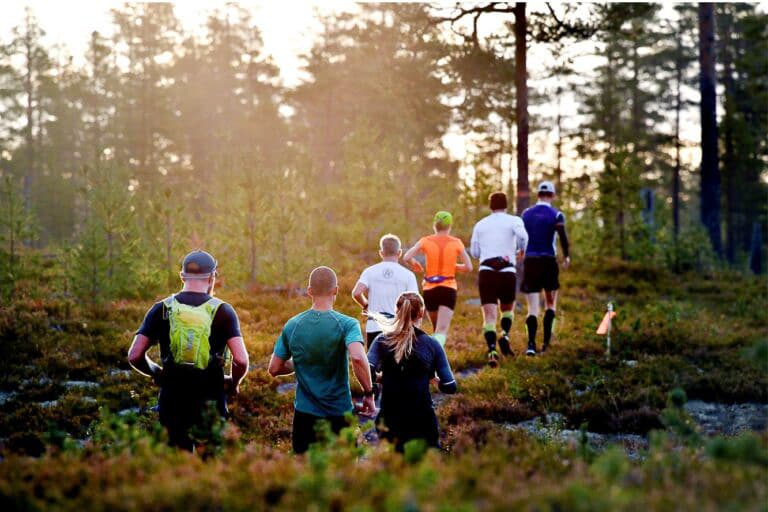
{"x":497,"y":263}
{"x":437,"y":279}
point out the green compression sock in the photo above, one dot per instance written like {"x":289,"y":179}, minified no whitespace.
{"x":490,"y":335}
{"x":506,"y":321}
{"x":440,"y":337}
{"x":549,"y":325}
{"x":530,"y":327}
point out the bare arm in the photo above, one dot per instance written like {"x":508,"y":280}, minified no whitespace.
{"x":279,"y":366}
{"x":360,"y":364}
{"x":139,"y":360}
{"x":522,"y":240}
{"x":363,"y":373}
{"x":408,"y":257}
{"x":474,"y":244}
{"x":239,"y":361}
{"x":466,"y":262}
{"x":359,"y":294}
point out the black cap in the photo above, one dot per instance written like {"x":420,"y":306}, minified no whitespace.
{"x":198,"y":264}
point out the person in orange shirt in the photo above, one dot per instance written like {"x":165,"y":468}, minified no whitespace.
{"x":441,"y":251}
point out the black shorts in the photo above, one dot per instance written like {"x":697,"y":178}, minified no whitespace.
{"x":540,"y":273}
{"x":497,"y":287}
{"x":183,"y":403}
{"x":404,"y":427}
{"x":440,"y":296}
{"x":304,"y":433}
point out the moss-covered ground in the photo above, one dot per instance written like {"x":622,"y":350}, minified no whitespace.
{"x":69,"y":444}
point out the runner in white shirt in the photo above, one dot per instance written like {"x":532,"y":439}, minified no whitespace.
{"x":498,"y":241}
{"x":380,"y":285}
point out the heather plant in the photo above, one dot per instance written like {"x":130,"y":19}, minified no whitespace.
{"x":115,"y":434}
{"x":245,"y":462}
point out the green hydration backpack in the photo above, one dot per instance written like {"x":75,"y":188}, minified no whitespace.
{"x":191,"y":330}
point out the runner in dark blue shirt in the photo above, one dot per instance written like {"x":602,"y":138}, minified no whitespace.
{"x":408,"y":359}
{"x":544,"y":225}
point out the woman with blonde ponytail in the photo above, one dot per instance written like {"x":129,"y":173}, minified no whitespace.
{"x":408,"y":359}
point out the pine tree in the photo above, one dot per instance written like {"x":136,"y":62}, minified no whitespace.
{"x":103,"y":262}
{"x":741,"y":33}
{"x":24,"y":97}
{"x":710,"y":175}
{"x":16,"y":226}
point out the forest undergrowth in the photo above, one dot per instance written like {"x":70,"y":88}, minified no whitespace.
{"x":77,"y":430}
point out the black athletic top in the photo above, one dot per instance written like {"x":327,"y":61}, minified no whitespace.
{"x":225,"y":325}
{"x":405,"y":385}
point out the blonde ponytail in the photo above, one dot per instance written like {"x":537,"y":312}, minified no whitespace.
{"x":399,"y":331}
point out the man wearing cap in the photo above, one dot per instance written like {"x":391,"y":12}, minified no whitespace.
{"x":441,"y":252}
{"x":498,"y":240}
{"x":317,"y":345}
{"x":544,"y":225}
{"x":189,"y":380}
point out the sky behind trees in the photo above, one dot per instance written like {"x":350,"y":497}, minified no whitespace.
{"x":289,"y":31}
{"x":169,"y":112}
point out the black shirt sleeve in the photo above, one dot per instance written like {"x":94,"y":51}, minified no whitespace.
{"x":560,"y":228}
{"x":152,"y":324}
{"x":443,"y":369}
{"x":225,"y":323}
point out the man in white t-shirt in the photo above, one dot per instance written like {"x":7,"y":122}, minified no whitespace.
{"x":380,"y":285}
{"x":498,"y":241}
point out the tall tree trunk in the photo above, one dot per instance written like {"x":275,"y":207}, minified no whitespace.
{"x":637,"y":127}
{"x":510,"y":163}
{"x":710,"y":173}
{"x":169,"y":246}
{"x":559,"y":168}
{"x":676,"y":171}
{"x":730,"y":167}
{"x":521,"y":106}
{"x":620,"y":215}
{"x":29,"y":115}
{"x":95,"y":106}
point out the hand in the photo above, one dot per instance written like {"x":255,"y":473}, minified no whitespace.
{"x":368,"y":407}
{"x":416,"y":266}
{"x":566,"y":262}
{"x":230,"y":388}
{"x":520,"y":255}
{"x":157,"y":375}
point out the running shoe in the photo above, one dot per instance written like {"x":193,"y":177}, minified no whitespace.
{"x":504,"y":345}
{"x":544,"y":347}
{"x":493,"y":358}
{"x":531,"y":349}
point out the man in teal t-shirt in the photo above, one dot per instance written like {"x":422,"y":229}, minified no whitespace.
{"x":317,"y":345}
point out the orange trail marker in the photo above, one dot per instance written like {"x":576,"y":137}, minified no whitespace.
{"x":602,"y":330}
{"x":605,"y":328}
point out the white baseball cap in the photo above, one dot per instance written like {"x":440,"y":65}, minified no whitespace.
{"x":546,"y":186}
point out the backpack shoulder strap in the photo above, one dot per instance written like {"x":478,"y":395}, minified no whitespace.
{"x":213,"y":304}
{"x":167,"y":304}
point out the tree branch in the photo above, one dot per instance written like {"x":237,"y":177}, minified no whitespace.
{"x":475,"y":11}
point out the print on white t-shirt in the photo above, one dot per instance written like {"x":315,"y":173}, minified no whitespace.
{"x":385,"y":282}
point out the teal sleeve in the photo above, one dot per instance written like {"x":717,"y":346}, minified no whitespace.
{"x":352,"y":332}
{"x":281,"y":346}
